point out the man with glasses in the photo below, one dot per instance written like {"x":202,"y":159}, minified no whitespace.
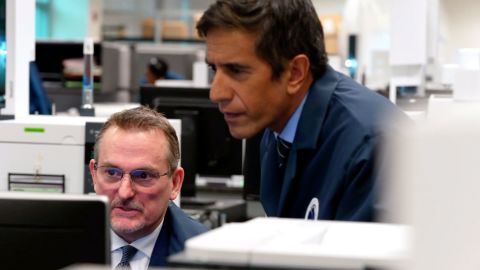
{"x":136,"y":166}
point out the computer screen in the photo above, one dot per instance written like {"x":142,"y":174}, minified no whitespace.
{"x":49,"y":57}
{"x":207,"y":147}
{"x":51,"y":231}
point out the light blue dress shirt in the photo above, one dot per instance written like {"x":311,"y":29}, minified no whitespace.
{"x":288,"y":132}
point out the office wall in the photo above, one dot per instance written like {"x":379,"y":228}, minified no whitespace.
{"x":460,"y":27}
{"x":42,"y":29}
{"x":329,"y":6}
{"x":128,"y":14}
{"x":69,"y":19}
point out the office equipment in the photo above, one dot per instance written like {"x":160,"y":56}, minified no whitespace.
{"x":49,"y":56}
{"x":47,"y":231}
{"x":40,"y":145}
{"x":87,"y":79}
{"x":275,"y":243}
{"x":217,"y":212}
{"x":207,"y":147}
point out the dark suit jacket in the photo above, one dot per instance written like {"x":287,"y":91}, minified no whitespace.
{"x":176,"y":229}
{"x":332,"y":159}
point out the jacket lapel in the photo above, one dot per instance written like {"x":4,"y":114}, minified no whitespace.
{"x":269,"y":188}
{"x":307,"y":134}
{"x":290,"y":170}
{"x":161,"y":249}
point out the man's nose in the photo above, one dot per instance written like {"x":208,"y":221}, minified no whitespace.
{"x":220,"y":89}
{"x":126,"y":189}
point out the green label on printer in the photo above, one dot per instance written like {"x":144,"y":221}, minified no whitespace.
{"x":34,"y":129}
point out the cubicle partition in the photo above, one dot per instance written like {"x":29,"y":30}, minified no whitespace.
{"x":179,"y":57}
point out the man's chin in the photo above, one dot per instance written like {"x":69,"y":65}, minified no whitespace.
{"x":239,"y":132}
{"x":123,"y":226}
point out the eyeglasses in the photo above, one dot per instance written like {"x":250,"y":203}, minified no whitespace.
{"x":114,"y":175}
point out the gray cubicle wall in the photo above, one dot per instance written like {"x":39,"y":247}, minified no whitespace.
{"x":116,"y":64}
{"x":179,"y":57}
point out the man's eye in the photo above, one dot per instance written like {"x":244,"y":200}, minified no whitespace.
{"x":143,"y":175}
{"x":213,"y":68}
{"x":235,"y":70}
{"x":112,"y":172}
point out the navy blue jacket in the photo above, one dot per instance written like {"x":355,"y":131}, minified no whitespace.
{"x":332,"y":159}
{"x":176,"y":229}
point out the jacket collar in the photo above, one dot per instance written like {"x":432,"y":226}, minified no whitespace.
{"x":315,"y":110}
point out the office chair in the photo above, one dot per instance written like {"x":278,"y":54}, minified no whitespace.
{"x":39,"y":101}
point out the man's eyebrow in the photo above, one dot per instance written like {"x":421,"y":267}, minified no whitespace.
{"x":106,"y":164}
{"x":235,"y":66}
{"x":228,"y":64}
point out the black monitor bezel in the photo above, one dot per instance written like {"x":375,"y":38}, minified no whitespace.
{"x":80,"y":225}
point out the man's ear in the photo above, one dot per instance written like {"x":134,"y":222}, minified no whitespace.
{"x":299,"y":72}
{"x":177,"y":181}
{"x":93,"y":172}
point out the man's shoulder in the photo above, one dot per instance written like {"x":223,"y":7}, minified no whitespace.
{"x":177,"y":228}
{"x":352,"y":112}
{"x":184,"y":224}
{"x":361,"y":105}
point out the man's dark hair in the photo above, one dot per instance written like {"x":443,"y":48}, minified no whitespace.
{"x":158,"y":67}
{"x":284,"y":29}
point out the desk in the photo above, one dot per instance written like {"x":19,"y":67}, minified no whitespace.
{"x":276,"y":243}
{"x":216,"y":212}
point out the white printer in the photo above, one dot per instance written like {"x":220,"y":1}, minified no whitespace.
{"x":43,"y":153}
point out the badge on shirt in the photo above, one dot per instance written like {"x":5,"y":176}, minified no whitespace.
{"x":313,"y":209}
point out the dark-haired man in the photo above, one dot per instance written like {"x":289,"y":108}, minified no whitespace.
{"x":323,"y":130}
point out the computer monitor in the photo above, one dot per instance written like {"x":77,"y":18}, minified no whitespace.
{"x":49,"y":56}
{"x":207,"y":147}
{"x":51,"y":231}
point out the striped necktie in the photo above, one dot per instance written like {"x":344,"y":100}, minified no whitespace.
{"x":283,"y":148}
{"x":127,"y":254}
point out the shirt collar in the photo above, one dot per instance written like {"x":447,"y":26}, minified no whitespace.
{"x":288,"y":132}
{"x":144,"y":244}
